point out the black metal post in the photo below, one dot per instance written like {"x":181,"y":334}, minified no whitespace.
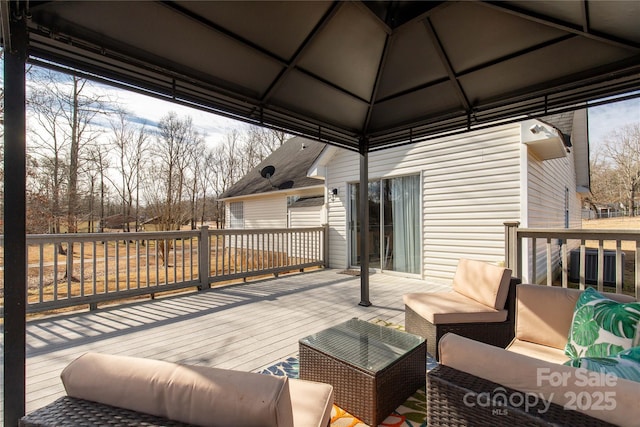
{"x":363,"y":214}
{"x":15,"y":248}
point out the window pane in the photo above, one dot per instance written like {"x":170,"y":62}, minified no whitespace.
{"x":236,"y":211}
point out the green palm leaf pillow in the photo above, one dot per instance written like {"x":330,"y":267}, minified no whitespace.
{"x":625,"y":364}
{"x":601,"y":327}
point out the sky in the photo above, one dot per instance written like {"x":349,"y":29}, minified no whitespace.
{"x":149,"y":111}
{"x":604,"y":119}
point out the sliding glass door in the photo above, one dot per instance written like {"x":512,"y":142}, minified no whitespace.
{"x":394,"y":224}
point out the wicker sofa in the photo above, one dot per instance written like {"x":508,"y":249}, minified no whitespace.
{"x":481,"y":306}
{"x":106,"y":390}
{"x":478,"y":384}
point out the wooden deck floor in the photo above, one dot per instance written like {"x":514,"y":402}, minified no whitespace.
{"x":245,"y":327}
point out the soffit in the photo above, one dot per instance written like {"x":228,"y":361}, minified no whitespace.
{"x":360,"y":75}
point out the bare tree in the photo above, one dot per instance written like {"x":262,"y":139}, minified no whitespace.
{"x":130,"y":143}
{"x":165,"y":192}
{"x":63,"y":109}
{"x":97,"y":170}
{"x":622,"y":147}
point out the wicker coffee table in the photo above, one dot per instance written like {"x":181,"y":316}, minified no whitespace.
{"x":372,"y":368}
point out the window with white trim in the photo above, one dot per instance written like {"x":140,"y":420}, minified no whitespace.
{"x":236,"y":212}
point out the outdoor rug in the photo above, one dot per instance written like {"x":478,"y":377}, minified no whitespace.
{"x":412,"y":413}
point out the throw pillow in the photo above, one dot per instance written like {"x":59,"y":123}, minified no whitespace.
{"x":625,"y":364}
{"x":601,"y":327}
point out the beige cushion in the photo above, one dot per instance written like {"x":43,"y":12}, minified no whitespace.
{"x":312,"y":403}
{"x":451,"y":307}
{"x":544,"y":313}
{"x":486,"y":283}
{"x":190,"y":394}
{"x":550,"y":354}
{"x":530,"y":375}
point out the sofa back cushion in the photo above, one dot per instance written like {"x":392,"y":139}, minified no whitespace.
{"x":486,"y":283}
{"x":544,"y":313}
{"x":190,"y":394}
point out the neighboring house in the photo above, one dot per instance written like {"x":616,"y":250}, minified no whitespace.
{"x":435,"y":201}
{"x":279,"y":193}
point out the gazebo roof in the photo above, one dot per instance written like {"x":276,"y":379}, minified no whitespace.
{"x":361,"y":75}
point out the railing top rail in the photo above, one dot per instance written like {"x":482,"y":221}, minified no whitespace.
{"x":228,"y":231}
{"x":91,"y":237}
{"x":580,"y":234}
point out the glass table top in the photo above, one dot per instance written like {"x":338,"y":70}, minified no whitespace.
{"x":363,"y":344}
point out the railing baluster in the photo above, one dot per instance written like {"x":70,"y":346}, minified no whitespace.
{"x":69,"y":267}
{"x":117,"y":256}
{"x":41,"y":275}
{"x":583,"y":266}
{"x":95,"y":268}
{"x":637,"y":265}
{"x":157,"y":263}
{"x":127,"y":252}
{"x":147,"y":260}
{"x":55,"y":271}
{"x":549,"y":258}
{"x":106,"y":266}
{"x":81,"y":269}
{"x":138,"y":264}
{"x":619,"y":267}
{"x":600,"y":265}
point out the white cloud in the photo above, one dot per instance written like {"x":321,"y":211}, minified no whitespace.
{"x":604,"y":119}
{"x":149,"y":110}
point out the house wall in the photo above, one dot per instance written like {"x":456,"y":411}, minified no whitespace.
{"x":470,"y":187}
{"x":305,"y":217}
{"x":268,"y":210}
{"x":547,"y":182}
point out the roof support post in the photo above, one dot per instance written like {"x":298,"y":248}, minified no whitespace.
{"x":363,"y":214}
{"x":15,"y":249}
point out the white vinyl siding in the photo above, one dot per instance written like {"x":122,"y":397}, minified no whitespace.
{"x":471,"y":186}
{"x":547,"y":182}
{"x":305,"y":217}
{"x":267,"y":212}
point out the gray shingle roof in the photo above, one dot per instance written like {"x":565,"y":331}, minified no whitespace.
{"x":291,"y":160}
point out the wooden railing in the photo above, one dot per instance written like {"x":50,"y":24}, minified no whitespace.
{"x":552,"y":251}
{"x":86,"y":269}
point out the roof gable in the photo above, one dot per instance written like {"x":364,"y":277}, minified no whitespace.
{"x":291,"y":161}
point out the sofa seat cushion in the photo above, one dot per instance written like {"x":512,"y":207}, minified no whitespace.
{"x":560,"y":384}
{"x":312,"y":403}
{"x":190,"y":394}
{"x":625,"y":364}
{"x":543,"y":352}
{"x":601,"y":327}
{"x":486,"y":283}
{"x":452,"y":307}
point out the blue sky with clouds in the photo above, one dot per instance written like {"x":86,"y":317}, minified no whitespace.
{"x":604,"y":119}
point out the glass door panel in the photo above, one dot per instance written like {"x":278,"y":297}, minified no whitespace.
{"x":374,"y":224}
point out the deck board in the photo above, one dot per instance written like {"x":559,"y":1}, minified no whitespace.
{"x":245,"y":327}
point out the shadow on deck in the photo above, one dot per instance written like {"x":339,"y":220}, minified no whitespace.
{"x":245,"y":326}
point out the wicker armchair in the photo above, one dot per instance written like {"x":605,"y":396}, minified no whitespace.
{"x":481,"y":307}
